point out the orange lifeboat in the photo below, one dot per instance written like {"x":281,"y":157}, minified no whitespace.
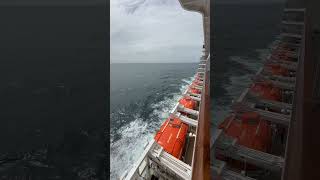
{"x":172,"y":136}
{"x":249,"y":129}
{"x":188,"y":102}
{"x":282,"y":56}
{"x":276,"y":69}
{"x":194,"y":90}
{"x":267,"y":91}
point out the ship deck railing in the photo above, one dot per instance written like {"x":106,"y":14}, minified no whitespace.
{"x":228,"y":147}
{"x":220,"y":171}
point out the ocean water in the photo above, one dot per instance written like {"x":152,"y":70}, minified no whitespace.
{"x":242,"y":35}
{"x":141,"y":97}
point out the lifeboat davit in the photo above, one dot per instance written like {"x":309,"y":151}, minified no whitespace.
{"x":266,"y":91}
{"x":198,"y":78}
{"x":188,"y":102}
{"x":172,"y":136}
{"x":196,"y":83}
{"x":249,"y":130}
{"x":276,"y":69}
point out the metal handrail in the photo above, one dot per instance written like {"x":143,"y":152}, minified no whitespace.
{"x":201,"y":160}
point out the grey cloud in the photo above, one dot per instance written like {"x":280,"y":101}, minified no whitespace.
{"x":155,"y":31}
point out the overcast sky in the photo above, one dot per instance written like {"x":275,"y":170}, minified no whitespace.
{"x":153,"y":31}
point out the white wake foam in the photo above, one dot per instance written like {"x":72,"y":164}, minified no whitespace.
{"x":125,"y":151}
